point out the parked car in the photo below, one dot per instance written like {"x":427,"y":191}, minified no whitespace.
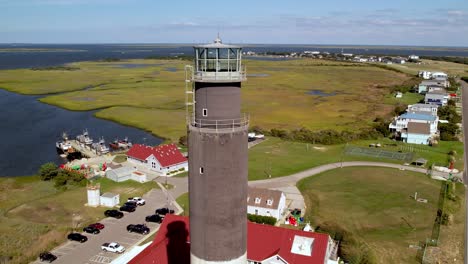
{"x":77,"y":237}
{"x":131,"y":203}
{"x":137,"y":200}
{"x":91,"y":230}
{"x":164,"y":211}
{"x":97,"y":225}
{"x":113,"y":247}
{"x":113,"y":213}
{"x":140,"y":228}
{"x":154,"y":218}
{"x":128,"y":208}
{"x":47,"y":256}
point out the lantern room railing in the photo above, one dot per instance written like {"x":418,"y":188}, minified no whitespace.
{"x":220,"y":125}
{"x":219,"y":76}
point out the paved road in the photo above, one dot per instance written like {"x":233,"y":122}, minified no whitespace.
{"x":464,"y":87}
{"x":115,"y":231}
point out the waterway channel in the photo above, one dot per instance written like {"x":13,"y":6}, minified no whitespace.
{"x":29,"y":130}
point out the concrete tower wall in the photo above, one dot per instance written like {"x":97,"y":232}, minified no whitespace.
{"x":222,"y":101}
{"x":218,"y":195}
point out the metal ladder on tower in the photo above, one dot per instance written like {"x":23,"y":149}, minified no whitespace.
{"x":189,"y":94}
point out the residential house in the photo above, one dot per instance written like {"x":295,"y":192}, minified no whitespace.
{"x":266,"y":202}
{"x":399,"y":60}
{"x":425,"y":74}
{"x":436,"y":97}
{"x":400,"y":123}
{"x":423,"y":108}
{"x":413,"y":57}
{"x":163,"y":159}
{"x":417,"y":133}
{"x":265,"y":244}
{"x":439,"y":75}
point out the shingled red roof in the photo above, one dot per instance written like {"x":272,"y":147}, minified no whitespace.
{"x":171,"y":244}
{"x":167,"y":155}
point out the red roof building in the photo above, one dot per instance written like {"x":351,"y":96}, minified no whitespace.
{"x":264,"y":242}
{"x":163,"y":158}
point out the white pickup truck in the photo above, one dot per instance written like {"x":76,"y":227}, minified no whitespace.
{"x":113,"y":247}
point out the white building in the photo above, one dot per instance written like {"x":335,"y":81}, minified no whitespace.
{"x":425,"y":74}
{"x":110,"y":199}
{"x":164,"y":159}
{"x":423,"y":108}
{"x":417,"y":133}
{"x":400,"y":123}
{"x":413,"y":57}
{"x":437,"y":97}
{"x":125,"y":173}
{"x":266,"y":202}
{"x":439,"y":75}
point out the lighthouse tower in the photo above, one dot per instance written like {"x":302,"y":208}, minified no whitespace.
{"x":217,"y":137}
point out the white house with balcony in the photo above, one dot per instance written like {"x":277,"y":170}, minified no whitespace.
{"x":423,"y":108}
{"x":266,"y":202}
{"x":400,"y":123}
{"x":417,"y":133}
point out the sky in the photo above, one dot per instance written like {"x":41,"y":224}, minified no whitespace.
{"x":356,"y":22}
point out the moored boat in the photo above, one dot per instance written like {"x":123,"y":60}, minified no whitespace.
{"x":63,"y":145}
{"x":84,"y":138}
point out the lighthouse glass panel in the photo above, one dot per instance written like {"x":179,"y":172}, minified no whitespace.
{"x":211,"y":61}
{"x":223,"y":60}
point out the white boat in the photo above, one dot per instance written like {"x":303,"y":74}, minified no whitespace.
{"x":101,"y":146}
{"x":84,"y":138}
{"x":63,"y":145}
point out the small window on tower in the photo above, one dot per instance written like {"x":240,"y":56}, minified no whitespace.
{"x":205,"y":112}
{"x":201,"y":170}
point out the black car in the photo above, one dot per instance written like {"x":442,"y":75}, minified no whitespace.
{"x":77,"y":237}
{"x":131,"y":203}
{"x":47,"y":256}
{"x":128,"y":208}
{"x":141,"y":229}
{"x":91,"y":230}
{"x":113,"y":213}
{"x":164,"y":211}
{"x":154,"y":218}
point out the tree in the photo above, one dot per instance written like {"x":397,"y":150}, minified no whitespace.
{"x":183,"y":140}
{"x":61,"y":179}
{"x":48,"y":171}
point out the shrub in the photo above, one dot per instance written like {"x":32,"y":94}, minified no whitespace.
{"x":260,"y":219}
{"x":48,"y":171}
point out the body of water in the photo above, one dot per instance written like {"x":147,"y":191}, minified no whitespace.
{"x":89,"y":52}
{"x":29,"y":130}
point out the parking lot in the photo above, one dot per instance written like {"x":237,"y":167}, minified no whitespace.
{"x":115,"y":231}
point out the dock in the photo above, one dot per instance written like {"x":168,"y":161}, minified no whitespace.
{"x":85,"y":150}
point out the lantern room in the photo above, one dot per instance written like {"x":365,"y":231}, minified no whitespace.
{"x":218,"y":62}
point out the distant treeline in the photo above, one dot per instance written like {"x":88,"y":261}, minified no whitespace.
{"x":465,"y":78}
{"x":328,"y":136}
{"x":461,"y":60}
{"x":55,"y":68}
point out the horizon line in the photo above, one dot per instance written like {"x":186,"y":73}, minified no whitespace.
{"x":242,"y":44}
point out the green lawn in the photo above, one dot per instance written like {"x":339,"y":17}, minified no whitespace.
{"x":275,"y":157}
{"x":183,"y":201}
{"x":408,"y":98}
{"x":375,"y":206}
{"x":36,"y":217}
